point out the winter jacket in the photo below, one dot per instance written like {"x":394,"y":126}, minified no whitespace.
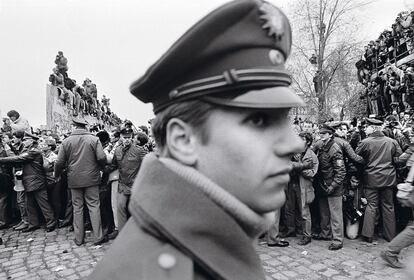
{"x":348,"y":152}
{"x":304,"y":171}
{"x":83,"y":157}
{"x":49,"y":164}
{"x":331,"y":171}
{"x":379,"y":153}
{"x":128,"y":161}
{"x":34,"y":177}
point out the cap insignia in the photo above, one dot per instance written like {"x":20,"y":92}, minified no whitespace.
{"x":276,"y":57}
{"x":274,"y":21}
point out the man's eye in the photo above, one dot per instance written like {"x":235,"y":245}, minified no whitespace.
{"x":258,"y":119}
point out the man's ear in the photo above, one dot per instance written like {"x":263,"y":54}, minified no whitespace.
{"x":181,"y":141}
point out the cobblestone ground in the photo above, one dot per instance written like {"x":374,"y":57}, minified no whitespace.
{"x":41,"y":255}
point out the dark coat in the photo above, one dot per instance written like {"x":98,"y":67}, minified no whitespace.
{"x":348,"y":152}
{"x":6,"y":174}
{"x":83,"y":157}
{"x":34,"y":176}
{"x":379,"y":153}
{"x":331,"y":168}
{"x":170,"y":215}
{"x":127,"y":161}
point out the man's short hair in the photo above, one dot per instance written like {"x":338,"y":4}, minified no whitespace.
{"x":193,"y":112}
{"x":142,"y":138}
{"x":13,"y":113}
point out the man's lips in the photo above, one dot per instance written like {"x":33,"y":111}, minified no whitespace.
{"x":281,"y":172}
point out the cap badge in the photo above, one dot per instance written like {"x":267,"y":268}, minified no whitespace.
{"x":276,"y":57}
{"x":274,"y":21}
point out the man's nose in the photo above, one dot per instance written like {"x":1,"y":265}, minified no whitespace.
{"x":289,"y":143}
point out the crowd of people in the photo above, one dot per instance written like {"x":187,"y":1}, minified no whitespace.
{"x":389,"y":87}
{"x":391,"y":44}
{"x":344,"y":184}
{"x":81,"y":100}
{"x":201,"y":198}
{"x":39,"y":185}
{"x":340,"y":184}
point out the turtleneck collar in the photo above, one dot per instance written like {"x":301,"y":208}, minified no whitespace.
{"x":253,"y":223}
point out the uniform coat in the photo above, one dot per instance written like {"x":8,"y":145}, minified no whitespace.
{"x":379,"y":153}
{"x":380,"y":176}
{"x":170,"y":213}
{"x":35,"y":183}
{"x":34,"y":176}
{"x":331,"y":168}
{"x":83,"y":157}
{"x":331,"y":173}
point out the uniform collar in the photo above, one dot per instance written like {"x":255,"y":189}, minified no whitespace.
{"x":376,"y":134}
{"x":79,"y":132}
{"x":192,"y":222}
{"x":327,"y":145}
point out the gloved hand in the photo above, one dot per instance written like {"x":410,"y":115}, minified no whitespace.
{"x":329,"y":190}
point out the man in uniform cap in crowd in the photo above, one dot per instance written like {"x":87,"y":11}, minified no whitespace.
{"x":330,"y":180}
{"x":200,"y":202}
{"x":83,"y":157}
{"x":380,"y":178}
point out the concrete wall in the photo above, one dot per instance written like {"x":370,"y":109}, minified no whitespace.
{"x":58,"y":114}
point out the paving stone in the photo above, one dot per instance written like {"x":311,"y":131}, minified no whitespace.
{"x":66,"y":272}
{"x":39,"y":259}
{"x":285,"y":259}
{"x":317,"y":266}
{"x":339,"y":277}
{"x":273,"y":262}
{"x":18,"y":274}
{"x":329,"y":272}
{"x":279,"y":276}
{"x":290,"y":274}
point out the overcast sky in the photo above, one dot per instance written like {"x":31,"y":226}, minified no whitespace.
{"x":112,"y":42}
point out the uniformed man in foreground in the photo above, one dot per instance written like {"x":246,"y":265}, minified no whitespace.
{"x":221,"y":99}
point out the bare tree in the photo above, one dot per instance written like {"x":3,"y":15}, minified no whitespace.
{"x":324,"y":42}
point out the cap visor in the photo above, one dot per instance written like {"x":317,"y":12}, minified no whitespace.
{"x":268,"y":98}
